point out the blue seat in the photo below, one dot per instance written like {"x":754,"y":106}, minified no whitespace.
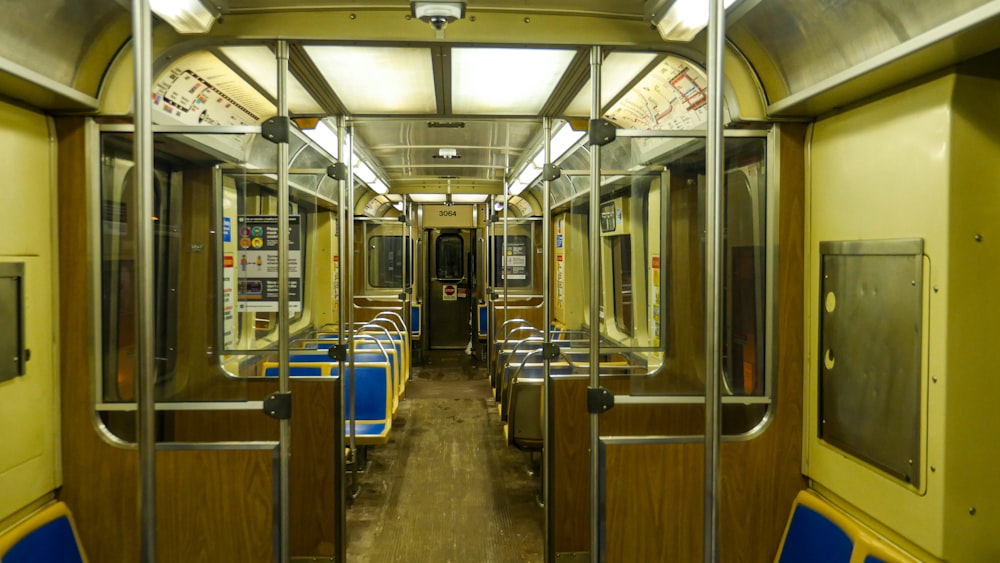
{"x":373,"y":398}
{"x":47,"y":536}
{"x":818,"y":532}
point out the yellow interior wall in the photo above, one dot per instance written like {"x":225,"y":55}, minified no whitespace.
{"x":29,"y":405}
{"x":973,"y":331}
{"x":922,"y":163}
{"x":880,"y":171}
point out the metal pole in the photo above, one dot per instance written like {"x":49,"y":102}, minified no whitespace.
{"x":145,"y":329}
{"x":342,"y":299}
{"x":284,"y":386}
{"x":713,"y":276}
{"x":504,"y":251}
{"x":547,"y":426}
{"x":596,"y":58}
{"x":348,"y":263}
{"x":490,"y":315}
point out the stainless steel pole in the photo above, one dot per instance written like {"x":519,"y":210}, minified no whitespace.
{"x":342,"y":299}
{"x":284,"y":309}
{"x":547,"y":438}
{"x":504,"y":253}
{"x":347,"y":262}
{"x":713,"y":277}
{"x":596,"y":59}
{"x":146,"y":312}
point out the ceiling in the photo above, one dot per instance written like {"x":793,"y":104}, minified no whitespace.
{"x":431,"y":118}
{"x":810,"y":58}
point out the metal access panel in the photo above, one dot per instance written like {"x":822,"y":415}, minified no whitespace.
{"x":12,"y":315}
{"x":870,"y":349}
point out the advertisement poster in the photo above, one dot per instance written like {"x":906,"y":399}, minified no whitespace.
{"x":258,"y":263}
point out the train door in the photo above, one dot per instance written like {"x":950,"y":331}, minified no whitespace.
{"x":450,"y":270}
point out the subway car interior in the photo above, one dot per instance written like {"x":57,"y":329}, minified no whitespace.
{"x":500,"y":281}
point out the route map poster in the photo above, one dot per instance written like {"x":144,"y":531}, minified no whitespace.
{"x":257,"y":263}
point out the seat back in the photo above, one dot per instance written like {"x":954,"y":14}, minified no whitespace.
{"x":47,"y":535}
{"x":818,"y":532}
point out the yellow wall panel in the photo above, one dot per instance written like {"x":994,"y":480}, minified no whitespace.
{"x":921,"y":163}
{"x":29,"y":404}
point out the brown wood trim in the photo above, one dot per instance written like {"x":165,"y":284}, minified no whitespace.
{"x":654,"y":498}
{"x":213,"y":506}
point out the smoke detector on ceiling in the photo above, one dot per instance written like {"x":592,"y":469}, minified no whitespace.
{"x":438,"y":13}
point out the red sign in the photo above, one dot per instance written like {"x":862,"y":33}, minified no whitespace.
{"x":449,"y":290}
{"x":227,"y":261}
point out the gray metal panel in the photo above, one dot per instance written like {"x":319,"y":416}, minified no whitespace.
{"x":52,"y":36}
{"x":870,"y":350}
{"x":12,"y":316}
{"x":405,"y":148}
{"x":619,"y":8}
{"x":809,"y":42}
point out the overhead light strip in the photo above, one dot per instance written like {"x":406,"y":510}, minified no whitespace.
{"x":185,"y":16}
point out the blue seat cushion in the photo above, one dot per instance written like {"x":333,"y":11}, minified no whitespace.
{"x":54,"y":542}
{"x":814,"y":538}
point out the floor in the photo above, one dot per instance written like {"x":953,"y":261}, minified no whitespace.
{"x":446,"y":488}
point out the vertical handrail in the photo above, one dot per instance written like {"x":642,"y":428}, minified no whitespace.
{"x":343,"y":299}
{"x":504,"y":250}
{"x":713,"y":277}
{"x":596,"y":58}
{"x":347,"y":263}
{"x":546,"y":319}
{"x":490,"y":314}
{"x":146,"y":313}
{"x":284,"y":385}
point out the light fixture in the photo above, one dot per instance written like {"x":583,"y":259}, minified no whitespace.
{"x":185,"y":16}
{"x":447,"y":154}
{"x":428,"y":198}
{"x":378,"y":186}
{"x":378,"y":80}
{"x":363,"y":171}
{"x":469,"y":198}
{"x":563,"y":140}
{"x":325,"y":137}
{"x":505,"y":81}
{"x":683,"y":19}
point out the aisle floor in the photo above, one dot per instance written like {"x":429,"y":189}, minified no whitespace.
{"x":446,"y":488}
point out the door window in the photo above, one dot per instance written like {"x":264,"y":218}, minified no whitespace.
{"x":450,"y":252}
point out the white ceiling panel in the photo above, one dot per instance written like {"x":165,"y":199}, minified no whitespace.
{"x":258,"y":63}
{"x":617,"y":72}
{"x":501,"y":81}
{"x":378,"y":80}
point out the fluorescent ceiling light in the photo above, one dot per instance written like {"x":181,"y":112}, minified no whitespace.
{"x":617,"y":71}
{"x":185,"y":16}
{"x":501,"y":81}
{"x":378,"y":186}
{"x":370,"y":80}
{"x":469,"y":198}
{"x":258,"y":62}
{"x":684,"y":19}
{"x":398,"y":205}
{"x":325,"y":137}
{"x":363,"y":171}
{"x":516,"y":187}
{"x":428,"y":198}
{"x":562,"y":141}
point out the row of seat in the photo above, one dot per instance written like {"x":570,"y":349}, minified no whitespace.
{"x":817,"y":532}
{"x":518,"y":375}
{"x":380,"y":354}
